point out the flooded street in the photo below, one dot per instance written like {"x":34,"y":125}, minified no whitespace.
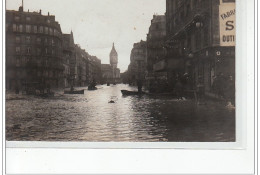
{"x":90,"y":117}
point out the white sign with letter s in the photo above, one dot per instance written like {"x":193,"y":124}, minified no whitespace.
{"x":227,"y":24}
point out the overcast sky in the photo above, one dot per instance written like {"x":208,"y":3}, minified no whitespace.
{"x":96,"y":24}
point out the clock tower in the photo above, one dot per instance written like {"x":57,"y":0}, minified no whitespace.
{"x":113,"y":60}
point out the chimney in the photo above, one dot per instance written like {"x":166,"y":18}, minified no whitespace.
{"x":48,"y":14}
{"x":28,"y":10}
{"x":40,"y":11}
{"x":21,"y":9}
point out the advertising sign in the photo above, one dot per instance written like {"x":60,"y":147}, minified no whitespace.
{"x":227,"y":24}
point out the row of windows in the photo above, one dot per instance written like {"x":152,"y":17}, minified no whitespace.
{"x":39,"y":51}
{"x":39,"y":40}
{"x":27,"y":18}
{"x":35,"y":29}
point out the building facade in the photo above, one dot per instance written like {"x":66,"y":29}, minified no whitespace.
{"x":200,"y":42}
{"x":137,"y":66}
{"x":95,"y":69}
{"x":81,"y":66}
{"x":156,"y":53}
{"x":155,"y":42}
{"x":69,"y":59}
{"x":33,"y":50}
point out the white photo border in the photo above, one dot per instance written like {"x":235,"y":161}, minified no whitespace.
{"x":240,"y":159}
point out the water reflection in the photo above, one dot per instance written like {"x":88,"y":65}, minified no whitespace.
{"x":90,"y":117}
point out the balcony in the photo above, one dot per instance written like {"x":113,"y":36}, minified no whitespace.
{"x":196,"y":14}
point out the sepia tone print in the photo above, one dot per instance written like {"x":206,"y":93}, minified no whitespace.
{"x":124,"y":71}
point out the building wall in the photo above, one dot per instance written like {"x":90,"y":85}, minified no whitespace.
{"x":137,"y":67}
{"x":193,"y":41}
{"x":68,"y":59}
{"x":33,"y":49}
{"x":155,"y":41}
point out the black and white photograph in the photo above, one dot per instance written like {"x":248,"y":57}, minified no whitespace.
{"x":134,"y":71}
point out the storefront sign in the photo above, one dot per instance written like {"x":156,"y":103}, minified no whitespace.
{"x":227,"y":23}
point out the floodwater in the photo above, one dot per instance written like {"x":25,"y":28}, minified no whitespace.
{"x":90,"y":117}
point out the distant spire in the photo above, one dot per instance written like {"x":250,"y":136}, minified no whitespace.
{"x":22,"y":3}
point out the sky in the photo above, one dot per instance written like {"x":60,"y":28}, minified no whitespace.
{"x":96,"y":24}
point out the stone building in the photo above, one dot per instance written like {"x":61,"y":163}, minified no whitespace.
{"x":94,"y":68}
{"x":200,"y":41}
{"x":69,"y":59}
{"x":156,"y":51}
{"x":137,"y":66}
{"x":155,"y":42}
{"x":87,"y":68}
{"x":33,"y":50}
{"x":81,"y":66}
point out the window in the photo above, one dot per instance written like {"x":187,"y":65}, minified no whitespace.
{"x":20,"y":28}
{"x":17,"y":49}
{"x":28,"y":18}
{"x":17,"y":39}
{"x":48,"y":21}
{"x":46,"y":30}
{"x":51,"y":31}
{"x":28,"y":28}
{"x":55,"y":32}
{"x":40,"y":29}
{"x":14,"y":27}
{"x":46,"y":50}
{"x":53,"y":52}
{"x":28,"y":39}
{"x":35,"y":29}
{"x":17,"y":18}
{"x":28,"y":50}
{"x":52,"y":42}
{"x":39,"y":40}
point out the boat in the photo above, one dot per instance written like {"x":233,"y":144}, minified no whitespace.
{"x":108,"y":84}
{"x":74,"y":92}
{"x":91,"y":88}
{"x":126,"y":92}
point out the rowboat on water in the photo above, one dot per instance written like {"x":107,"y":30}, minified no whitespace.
{"x":126,"y":92}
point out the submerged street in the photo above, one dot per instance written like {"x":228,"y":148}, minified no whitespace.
{"x":90,"y":117}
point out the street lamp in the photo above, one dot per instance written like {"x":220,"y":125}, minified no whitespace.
{"x":199,"y":25}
